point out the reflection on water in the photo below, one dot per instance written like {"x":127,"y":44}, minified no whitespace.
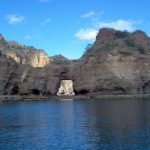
{"x":77,"y":125}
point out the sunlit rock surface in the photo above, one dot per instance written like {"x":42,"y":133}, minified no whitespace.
{"x":39,"y":59}
{"x":23,"y":54}
{"x":66,"y":88}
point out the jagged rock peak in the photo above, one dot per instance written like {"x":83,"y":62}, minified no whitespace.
{"x":112,"y":33}
{"x":107,"y":33}
{"x":1,"y":37}
{"x":23,"y":54}
{"x":14,"y":44}
{"x":109,"y":40}
{"x":59,"y":59}
{"x":139,"y":32}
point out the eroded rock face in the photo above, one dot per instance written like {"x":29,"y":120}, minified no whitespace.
{"x":23,"y":54}
{"x":1,"y":37}
{"x":13,"y":55}
{"x":39,"y":59}
{"x":66,"y":88}
{"x":117,"y":63}
{"x":36,"y":59}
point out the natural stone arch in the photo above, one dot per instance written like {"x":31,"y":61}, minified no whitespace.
{"x":66,"y":88}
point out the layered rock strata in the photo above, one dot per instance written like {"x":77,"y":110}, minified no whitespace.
{"x":117,"y":63}
{"x":23,"y":54}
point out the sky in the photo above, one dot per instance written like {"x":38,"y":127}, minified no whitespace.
{"x":67,"y":26}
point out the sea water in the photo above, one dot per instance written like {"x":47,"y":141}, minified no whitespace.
{"x":76,"y":125}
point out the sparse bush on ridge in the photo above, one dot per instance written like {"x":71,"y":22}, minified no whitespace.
{"x":141,"y":50}
{"x":121,"y":34}
{"x":88,"y":46}
{"x":130,"y":42}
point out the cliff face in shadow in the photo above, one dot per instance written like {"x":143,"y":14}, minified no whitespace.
{"x":117,"y":63}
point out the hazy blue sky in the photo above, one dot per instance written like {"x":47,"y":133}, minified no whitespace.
{"x":67,"y":26}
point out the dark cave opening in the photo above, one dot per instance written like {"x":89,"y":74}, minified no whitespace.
{"x":82,"y":92}
{"x":35,"y":92}
{"x":15,"y":90}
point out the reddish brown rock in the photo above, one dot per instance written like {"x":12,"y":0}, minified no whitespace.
{"x":24,"y":54}
{"x":1,"y":37}
{"x":117,"y":63}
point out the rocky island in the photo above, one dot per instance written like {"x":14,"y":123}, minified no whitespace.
{"x":118,"y":63}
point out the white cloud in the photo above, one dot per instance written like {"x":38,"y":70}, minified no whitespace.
{"x":118,"y":25}
{"x":31,"y":36}
{"x":47,"y":21}
{"x":86,"y":34}
{"x":44,"y":1}
{"x":88,"y":14}
{"x":90,"y":33}
{"x":15,"y":19}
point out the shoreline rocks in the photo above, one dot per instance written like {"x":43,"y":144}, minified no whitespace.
{"x":69,"y":98}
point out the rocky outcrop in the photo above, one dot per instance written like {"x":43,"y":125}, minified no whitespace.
{"x":1,"y":38}
{"x":117,"y":63}
{"x":39,"y":59}
{"x":23,"y":54}
{"x":59,"y":59}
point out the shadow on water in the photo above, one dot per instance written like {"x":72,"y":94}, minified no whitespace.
{"x":79,"y":125}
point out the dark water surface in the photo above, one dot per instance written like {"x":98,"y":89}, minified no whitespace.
{"x":75,"y":125}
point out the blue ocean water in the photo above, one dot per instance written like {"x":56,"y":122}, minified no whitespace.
{"x":75,"y":125}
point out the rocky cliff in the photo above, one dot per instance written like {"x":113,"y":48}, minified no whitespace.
{"x":23,"y":54}
{"x":117,"y":63}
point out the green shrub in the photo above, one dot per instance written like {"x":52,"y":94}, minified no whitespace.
{"x":121,"y":34}
{"x":88,"y":46}
{"x":130,"y":42}
{"x":141,"y":50}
